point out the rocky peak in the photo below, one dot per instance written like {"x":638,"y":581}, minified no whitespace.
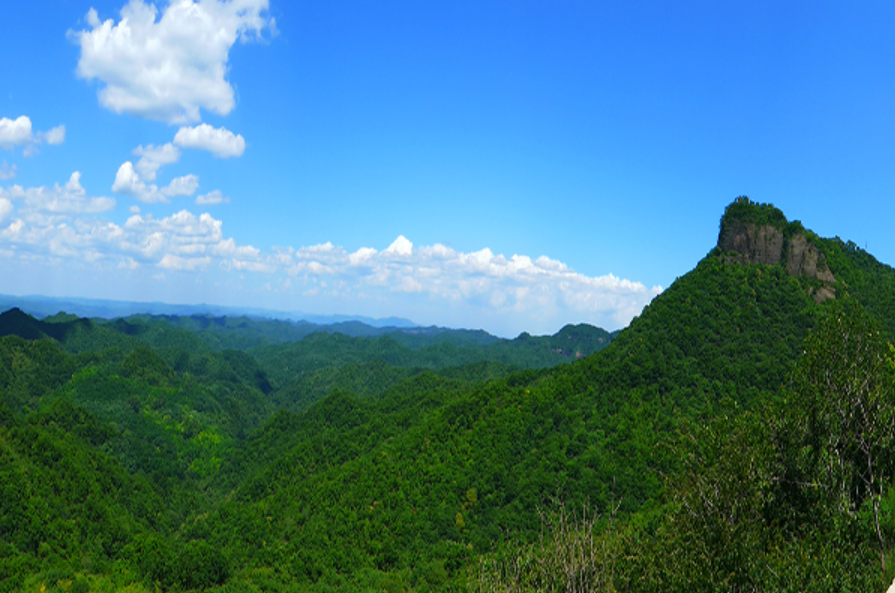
{"x":754,"y":244}
{"x":753,"y":233}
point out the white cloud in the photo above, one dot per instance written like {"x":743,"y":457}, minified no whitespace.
{"x":7,"y":172}
{"x":362,"y":256}
{"x":437,"y":251}
{"x":182,"y":186}
{"x":16,"y":227}
{"x":55,"y":136}
{"x":168,"y":67}
{"x":401,"y":246}
{"x":15,"y":132}
{"x":18,"y":132}
{"x":175,"y":262}
{"x":152,"y":158}
{"x":250,"y":266}
{"x":430,"y":284}
{"x":487,"y":286}
{"x":228,"y":248}
{"x":70,"y":200}
{"x":220,"y":142}
{"x":128,"y":183}
{"x":212,"y":198}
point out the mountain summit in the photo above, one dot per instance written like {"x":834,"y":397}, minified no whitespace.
{"x":759,"y":233}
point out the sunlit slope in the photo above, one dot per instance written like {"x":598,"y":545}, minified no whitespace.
{"x":284,"y":362}
{"x":453,"y":481}
{"x":394,"y":467}
{"x":66,"y":508}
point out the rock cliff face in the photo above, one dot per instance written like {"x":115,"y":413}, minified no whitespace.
{"x":754,"y":244}
{"x":750,"y":243}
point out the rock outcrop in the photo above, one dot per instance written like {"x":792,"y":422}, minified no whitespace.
{"x":803,"y":259}
{"x":754,"y":244}
{"x":750,"y":243}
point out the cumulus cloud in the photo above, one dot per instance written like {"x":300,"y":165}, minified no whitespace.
{"x":53,"y":136}
{"x":168,"y":67}
{"x":15,"y":132}
{"x":482,"y":280}
{"x":362,"y":256}
{"x":18,"y":132}
{"x":63,"y":222}
{"x":54,"y":202}
{"x":7,"y":171}
{"x":228,"y":248}
{"x":401,"y":246}
{"x":182,"y":186}
{"x":434,"y":283}
{"x":152,"y":158}
{"x":181,"y":241}
{"x":135,"y":181}
{"x":220,"y":142}
{"x":128,"y":183}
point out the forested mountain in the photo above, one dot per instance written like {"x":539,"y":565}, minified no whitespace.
{"x":736,"y":436}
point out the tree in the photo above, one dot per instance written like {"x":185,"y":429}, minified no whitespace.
{"x":843,"y":412}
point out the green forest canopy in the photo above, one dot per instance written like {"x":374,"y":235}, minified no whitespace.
{"x":692,"y":452}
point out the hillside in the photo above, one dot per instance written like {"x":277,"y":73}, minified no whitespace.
{"x":427,"y":351}
{"x":698,"y":438}
{"x":480,"y":464}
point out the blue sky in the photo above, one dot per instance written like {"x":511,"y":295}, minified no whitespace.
{"x":514,"y":166}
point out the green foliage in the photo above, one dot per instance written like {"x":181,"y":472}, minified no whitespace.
{"x":379,"y":484}
{"x":322,"y":351}
{"x":788,"y":497}
{"x":744,"y":210}
{"x":201,"y":566}
{"x":738,"y":435}
{"x":722,"y":331}
{"x":575,"y":554}
{"x":864,"y":279}
{"x":223,"y":333}
{"x":65,"y":505}
{"x":843,"y":413}
{"x":31,"y":369}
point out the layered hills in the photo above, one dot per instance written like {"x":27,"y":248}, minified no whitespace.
{"x":233,"y":455}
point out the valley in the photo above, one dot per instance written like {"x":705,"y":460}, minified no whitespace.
{"x":737,"y":435}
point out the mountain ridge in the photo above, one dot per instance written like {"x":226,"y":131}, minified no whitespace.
{"x":330,"y":468}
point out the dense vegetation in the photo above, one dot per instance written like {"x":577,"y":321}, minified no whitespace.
{"x":737,"y":436}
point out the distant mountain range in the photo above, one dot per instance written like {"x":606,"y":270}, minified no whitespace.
{"x":43,"y":306}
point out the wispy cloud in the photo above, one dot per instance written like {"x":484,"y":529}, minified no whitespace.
{"x":5,"y":208}
{"x":7,"y":171}
{"x":212,"y":198}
